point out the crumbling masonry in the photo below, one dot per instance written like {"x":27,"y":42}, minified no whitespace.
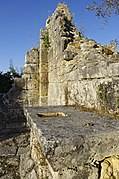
{"x":63,"y":76}
{"x":67,"y":70}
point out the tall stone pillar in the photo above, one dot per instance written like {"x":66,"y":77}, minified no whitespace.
{"x":31,"y":77}
{"x":43,"y":68}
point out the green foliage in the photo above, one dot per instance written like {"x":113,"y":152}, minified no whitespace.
{"x":46,"y":40}
{"x":15,"y":72}
{"x":101,"y":92}
{"x":107,"y":96}
{"x":106,"y":8}
{"x":7,"y":79}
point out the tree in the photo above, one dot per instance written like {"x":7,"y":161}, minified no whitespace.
{"x":7,"y":79}
{"x":6,"y":82}
{"x":15,"y":72}
{"x":106,"y":8}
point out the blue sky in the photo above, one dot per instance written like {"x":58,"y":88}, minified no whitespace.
{"x":21,"y":20}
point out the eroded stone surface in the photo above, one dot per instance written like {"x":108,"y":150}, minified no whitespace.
{"x":110,"y":168}
{"x":67,"y":69}
{"x":14,"y":135}
{"x":10,"y":156}
{"x":74,"y":145}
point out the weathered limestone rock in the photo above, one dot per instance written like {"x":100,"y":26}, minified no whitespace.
{"x":110,"y":168}
{"x":43,"y":67}
{"x":69,"y":143}
{"x":31,"y":77}
{"x":78,"y":66}
{"x":10,"y":155}
{"x":66,"y":69}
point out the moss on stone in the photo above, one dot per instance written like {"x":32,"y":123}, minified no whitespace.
{"x":101,"y":92}
{"x":75,"y":44}
{"x":46,"y":40}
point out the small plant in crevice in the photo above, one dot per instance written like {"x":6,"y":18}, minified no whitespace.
{"x":46,"y":40}
{"x":82,"y":31}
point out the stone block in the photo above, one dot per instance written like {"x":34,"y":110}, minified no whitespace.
{"x":32,"y":94}
{"x":43,"y":100}
{"x":16,"y":125}
{"x":31,"y":175}
{"x":32,"y":56}
{"x":33,"y":100}
{"x":44,"y":68}
{"x":110,"y":167}
{"x":44,"y":89}
{"x":43,"y":56}
{"x":22,"y":150}
{"x":68,"y":55}
{"x":32,"y":84}
{"x":30,"y":68}
{"x":113,"y":69}
{"x":54,"y":90}
{"x":44,"y":77}
{"x":8,"y":150}
{"x":80,"y":149}
{"x":50,"y":54}
{"x":53,"y":76}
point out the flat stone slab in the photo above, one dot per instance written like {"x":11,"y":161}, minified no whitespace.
{"x":71,"y":137}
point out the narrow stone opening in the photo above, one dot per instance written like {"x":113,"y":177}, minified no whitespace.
{"x":58,"y":114}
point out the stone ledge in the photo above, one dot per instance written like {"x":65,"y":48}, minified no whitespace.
{"x":74,"y":145}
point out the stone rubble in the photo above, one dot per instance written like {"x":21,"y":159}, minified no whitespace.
{"x":77,"y":145}
{"x":14,"y":135}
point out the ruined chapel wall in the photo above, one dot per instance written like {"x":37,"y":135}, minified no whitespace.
{"x":80,"y":71}
{"x":61,"y":31}
{"x":69,"y":70}
{"x":31,"y":76}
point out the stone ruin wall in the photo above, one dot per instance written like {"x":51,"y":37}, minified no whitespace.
{"x":65,"y":69}
{"x":31,"y":73}
{"x":69,"y":70}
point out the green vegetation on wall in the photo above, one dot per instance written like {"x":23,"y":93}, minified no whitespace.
{"x":108,"y":96}
{"x":101,"y":92}
{"x":46,"y":40}
{"x":7,"y":79}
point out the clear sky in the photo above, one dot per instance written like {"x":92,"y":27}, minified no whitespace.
{"x":21,"y":20}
